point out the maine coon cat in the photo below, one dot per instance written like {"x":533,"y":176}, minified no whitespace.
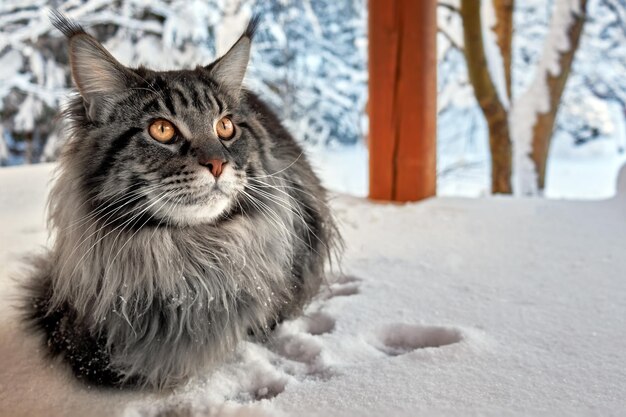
{"x":184,"y":216}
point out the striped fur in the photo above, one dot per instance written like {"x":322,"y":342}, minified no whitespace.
{"x":157,"y":270}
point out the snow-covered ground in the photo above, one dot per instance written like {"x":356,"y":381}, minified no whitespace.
{"x":447,"y":307}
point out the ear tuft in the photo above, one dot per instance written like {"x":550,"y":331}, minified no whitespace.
{"x":95,"y":71}
{"x":64,"y":24}
{"x":252,"y":27}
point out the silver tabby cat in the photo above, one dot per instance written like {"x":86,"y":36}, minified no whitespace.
{"x":185,"y":219}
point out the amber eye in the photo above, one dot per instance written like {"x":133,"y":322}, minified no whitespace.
{"x":225,"y":128}
{"x":162,"y":130}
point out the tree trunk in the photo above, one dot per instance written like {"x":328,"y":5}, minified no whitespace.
{"x":501,"y":154}
{"x":504,"y":35}
{"x":487,"y":97}
{"x":28,"y":152}
{"x":544,"y":127}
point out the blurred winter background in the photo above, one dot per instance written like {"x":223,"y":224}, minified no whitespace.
{"x":310,"y":62}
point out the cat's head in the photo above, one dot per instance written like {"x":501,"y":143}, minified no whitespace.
{"x":174,"y":147}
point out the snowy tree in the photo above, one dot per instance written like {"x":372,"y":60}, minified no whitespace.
{"x":589,"y":110}
{"x":607,"y":27}
{"x":308,"y":60}
{"x":527,"y":120}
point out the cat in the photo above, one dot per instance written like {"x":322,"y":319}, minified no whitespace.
{"x":185,"y":219}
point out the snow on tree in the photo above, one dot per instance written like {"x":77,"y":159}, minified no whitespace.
{"x":598,"y":79}
{"x":528,"y":122}
{"x":308,"y":60}
{"x":586,"y":112}
{"x":533,"y":114}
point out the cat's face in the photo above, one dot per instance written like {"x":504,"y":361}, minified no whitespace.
{"x":172,"y":147}
{"x":183,"y":148}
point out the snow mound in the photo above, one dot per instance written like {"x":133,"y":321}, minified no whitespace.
{"x":621,"y":182}
{"x":451,"y":306}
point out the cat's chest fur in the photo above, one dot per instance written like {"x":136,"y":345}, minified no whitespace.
{"x":232,"y":266}
{"x":195,"y":291}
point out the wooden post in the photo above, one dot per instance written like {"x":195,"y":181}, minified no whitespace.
{"x":402,"y":99}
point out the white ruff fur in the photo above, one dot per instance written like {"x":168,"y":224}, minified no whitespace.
{"x":223,"y":192}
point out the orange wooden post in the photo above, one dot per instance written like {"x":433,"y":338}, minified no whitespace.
{"x":402,"y":99}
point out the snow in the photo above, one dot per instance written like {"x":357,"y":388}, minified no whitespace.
{"x":576,"y":176}
{"x":343,"y":169}
{"x":27,"y":114}
{"x":449,"y":28}
{"x":536,"y":99}
{"x":495,"y":63}
{"x":451,"y":306}
{"x":232,"y":25}
{"x":191,"y":22}
{"x":10,"y":64}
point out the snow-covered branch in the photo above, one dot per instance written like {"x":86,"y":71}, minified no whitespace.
{"x":533,"y":114}
{"x":309,"y":59}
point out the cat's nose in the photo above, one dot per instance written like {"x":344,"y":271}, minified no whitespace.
{"x":214,"y":165}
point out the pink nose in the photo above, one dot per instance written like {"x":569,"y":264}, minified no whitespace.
{"x":215,"y":166}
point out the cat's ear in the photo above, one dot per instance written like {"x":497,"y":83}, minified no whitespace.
{"x":230,"y":68}
{"x":94,"y":70}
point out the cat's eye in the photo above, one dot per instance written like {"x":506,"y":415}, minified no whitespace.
{"x":161,"y":130}
{"x":225,"y":128}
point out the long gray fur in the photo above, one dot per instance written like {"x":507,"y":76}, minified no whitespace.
{"x":153,"y":275}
